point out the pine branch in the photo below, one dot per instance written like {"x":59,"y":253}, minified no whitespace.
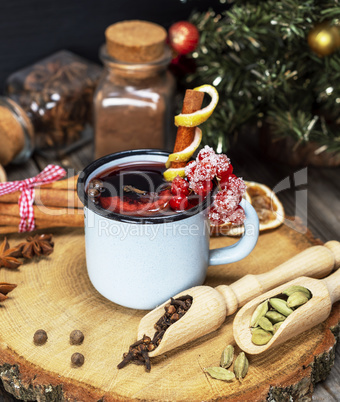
{"x":257,"y":55}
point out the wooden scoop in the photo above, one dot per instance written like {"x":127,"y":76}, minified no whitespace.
{"x":211,"y":305}
{"x":325,"y":292}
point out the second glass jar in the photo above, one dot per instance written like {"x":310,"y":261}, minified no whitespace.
{"x":133,"y":105}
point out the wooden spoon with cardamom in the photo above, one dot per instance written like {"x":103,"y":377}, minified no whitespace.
{"x":211,"y":305}
{"x":324,"y":292}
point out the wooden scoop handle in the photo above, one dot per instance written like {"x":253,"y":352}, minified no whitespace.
{"x":333,"y":285}
{"x":314,"y":262}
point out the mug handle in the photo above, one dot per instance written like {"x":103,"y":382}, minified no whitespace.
{"x":244,"y":246}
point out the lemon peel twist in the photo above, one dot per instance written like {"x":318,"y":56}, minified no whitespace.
{"x":191,"y":120}
{"x":186,"y":154}
{"x":199,"y":117}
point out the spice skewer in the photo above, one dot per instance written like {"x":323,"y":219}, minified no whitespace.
{"x":211,"y":305}
{"x":185,"y":135}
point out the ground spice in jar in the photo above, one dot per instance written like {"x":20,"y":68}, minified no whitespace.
{"x":133,"y":101}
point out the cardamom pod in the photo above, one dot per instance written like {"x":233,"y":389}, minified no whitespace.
{"x":259,"y":312}
{"x":260,"y":336}
{"x":227,"y":356}
{"x":277,"y":325}
{"x":265,"y":324}
{"x":297,"y":288}
{"x":296,"y":299}
{"x":220,"y":373}
{"x":241,"y":366}
{"x":280,"y":305}
{"x":275,"y":317}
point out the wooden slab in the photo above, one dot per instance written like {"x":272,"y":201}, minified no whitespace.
{"x":55,"y":294}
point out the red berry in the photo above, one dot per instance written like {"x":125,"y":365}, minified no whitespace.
{"x":179,"y":186}
{"x":205,"y":153}
{"x":179,"y":203}
{"x":222,"y":166}
{"x":190,"y":169}
{"x":225,"y":201}
{"x":224,"y":176}
{"x":183,"y":37}
{"x":215,"y":217}
{"x":235,"y":184}
{"x":238,"y":216}
{"x":202,"y":188}
{"x":205,"y":170}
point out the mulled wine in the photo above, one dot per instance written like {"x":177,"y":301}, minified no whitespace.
{"x":139,"y":189}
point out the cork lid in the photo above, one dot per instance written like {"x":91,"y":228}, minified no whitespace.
{"x":135,"y":41}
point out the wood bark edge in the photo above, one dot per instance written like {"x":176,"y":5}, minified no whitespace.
{"x":23,"y":380}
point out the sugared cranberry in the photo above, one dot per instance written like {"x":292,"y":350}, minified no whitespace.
{"x":205,"y":152}
{"x":179,"y":186}
{"x":234,"y":184}
{"x":222,"y":166}
{"x":225,"y":201}
{"x":224,"y":174}
{"x":179,"y":203}
{"x":238,"y":216}
{"x":215,"y":217}
{"x":202,"y":188}
{"x":190,"y":170}
{"x":205,"y":170}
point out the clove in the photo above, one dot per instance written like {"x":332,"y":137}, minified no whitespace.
{"x":139,"y":351}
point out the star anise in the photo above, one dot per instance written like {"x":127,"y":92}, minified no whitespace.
{"x":37,"y":245}
{"x":8,"y":256}
{"x":5,"y":288}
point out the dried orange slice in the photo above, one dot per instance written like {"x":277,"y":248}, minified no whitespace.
{"x":199,"y":117}
{"x":267,"y":206}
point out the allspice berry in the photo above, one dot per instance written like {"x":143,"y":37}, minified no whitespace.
{"x":76,"y":337}
{"x":77,"y":359}
{"x":40,"y":337}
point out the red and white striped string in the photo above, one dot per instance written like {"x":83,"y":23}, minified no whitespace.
{"x":50,"y":174}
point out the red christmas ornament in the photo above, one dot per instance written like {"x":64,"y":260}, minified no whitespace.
{"x":183,"y":37}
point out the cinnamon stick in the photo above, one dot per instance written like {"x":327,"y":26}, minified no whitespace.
{"x":8,"y":229}
{"x":10,"y":220}
{"x":64,"y":184}
{"x":6,"y":220}
{"x":51,"y":215}
{"x":14,"y":229}
{"x":49,"y":197}
{"x":185,"y":135}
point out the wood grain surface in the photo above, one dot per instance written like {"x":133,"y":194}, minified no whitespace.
{"x":55,"y":294}
{"x":321,"y":215}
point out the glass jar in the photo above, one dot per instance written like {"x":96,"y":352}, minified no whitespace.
{"x":133,"y":104}
{"x":16,"y":133}
{"x":56,"y":94}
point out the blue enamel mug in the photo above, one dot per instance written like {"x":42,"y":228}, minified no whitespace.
{"x":141,"y":261}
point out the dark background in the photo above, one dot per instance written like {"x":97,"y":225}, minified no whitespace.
{"x":33,"y":29}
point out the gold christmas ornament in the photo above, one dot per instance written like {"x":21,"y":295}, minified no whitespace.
{"x":324,"y":38}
